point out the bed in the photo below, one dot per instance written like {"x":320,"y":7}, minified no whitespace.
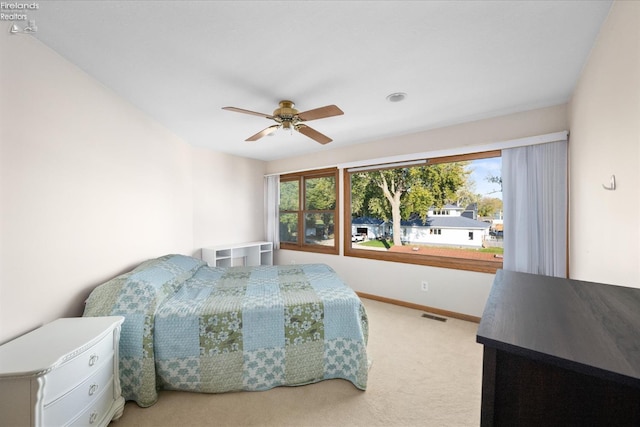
{"x":206,"y":329}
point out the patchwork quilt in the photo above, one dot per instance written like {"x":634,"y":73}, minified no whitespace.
{"x":209,"y":329}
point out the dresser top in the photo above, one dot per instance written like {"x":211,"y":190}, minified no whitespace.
{"x":63,"y":339}
{"x":588,"y":327}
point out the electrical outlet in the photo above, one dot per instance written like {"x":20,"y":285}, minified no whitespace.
{"x":425,"y":285}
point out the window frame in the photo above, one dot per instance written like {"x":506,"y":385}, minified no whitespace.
{"x":482,"y":266}
{"x":301,"y":177}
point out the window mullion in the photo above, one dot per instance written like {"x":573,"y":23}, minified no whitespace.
{"x":301,"y":207}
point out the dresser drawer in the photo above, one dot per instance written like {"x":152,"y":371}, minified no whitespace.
{"x":68,"y":375}
{"x":96,"y":413}
{"x":60,"y":411}
{"x":63,"y":373}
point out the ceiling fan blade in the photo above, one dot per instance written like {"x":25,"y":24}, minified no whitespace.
{"x":313,"y":134}
{"x":262,"y":133}
{"x":240,"y":110}
{"x":320,"y":113}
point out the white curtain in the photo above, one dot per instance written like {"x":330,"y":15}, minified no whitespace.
{"x":534,"y":191}
{"x":271,"y":201}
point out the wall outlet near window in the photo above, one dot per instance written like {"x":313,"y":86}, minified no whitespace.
{"x":424,"y":285}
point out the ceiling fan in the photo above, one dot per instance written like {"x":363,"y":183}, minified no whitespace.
{"x":287,"y":117}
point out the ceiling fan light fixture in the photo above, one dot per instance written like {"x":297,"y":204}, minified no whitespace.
{"x":289,"y":119}
{"x":396,"y":97}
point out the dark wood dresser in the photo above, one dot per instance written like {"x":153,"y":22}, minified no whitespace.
{"x":560,"y":352}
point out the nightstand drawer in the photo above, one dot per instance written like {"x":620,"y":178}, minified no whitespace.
{"x":73,"y":372}
{"x":85,"y":395}
{"x":95,"y":414}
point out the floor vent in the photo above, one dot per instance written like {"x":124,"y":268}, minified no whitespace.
{"x":433,"y":317}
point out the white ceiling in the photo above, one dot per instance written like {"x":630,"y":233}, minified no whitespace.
{"x":182,"y":61}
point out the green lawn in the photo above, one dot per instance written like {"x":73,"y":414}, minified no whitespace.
{"x":374,"y":244}
{"x":492,"y":250}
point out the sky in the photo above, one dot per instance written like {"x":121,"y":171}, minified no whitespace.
{"x":482,"y":169}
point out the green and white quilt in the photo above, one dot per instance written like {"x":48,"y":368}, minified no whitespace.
{"x":205,"y":329}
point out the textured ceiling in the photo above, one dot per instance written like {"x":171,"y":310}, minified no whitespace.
{"x":181,"y":62}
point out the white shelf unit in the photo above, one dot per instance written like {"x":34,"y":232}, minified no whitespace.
{"x":239,"y":254}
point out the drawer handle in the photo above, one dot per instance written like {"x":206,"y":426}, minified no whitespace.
{"x":92,"y":417}
{"x":93,"y":359}
{"x":93,"y":389}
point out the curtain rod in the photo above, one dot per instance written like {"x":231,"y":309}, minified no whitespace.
{"x":467,"y":149}
{"x":388,"y":165}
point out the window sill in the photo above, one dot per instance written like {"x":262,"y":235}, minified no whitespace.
{"x":481,"y":266}
{"x":308,"y":248}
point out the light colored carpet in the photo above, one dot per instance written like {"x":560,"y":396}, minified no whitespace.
{"x":424,"y":373}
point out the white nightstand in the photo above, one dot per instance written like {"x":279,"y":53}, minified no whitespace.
{"x":62,"y":374}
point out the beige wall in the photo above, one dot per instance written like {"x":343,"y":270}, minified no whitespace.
{"x":89,"y":187}
{"x":464,"y":135}
{"x":453,"y":290}
{"x":605,"y":140}
{"x":228,"y":199}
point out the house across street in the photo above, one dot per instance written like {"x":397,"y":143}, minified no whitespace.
{"x":450,"y":225}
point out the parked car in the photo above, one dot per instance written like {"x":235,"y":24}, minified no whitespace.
{"x":357,"y":237}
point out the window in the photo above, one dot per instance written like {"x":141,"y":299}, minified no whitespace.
{"x":309,"y":211}
{"x":440,"y":212}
